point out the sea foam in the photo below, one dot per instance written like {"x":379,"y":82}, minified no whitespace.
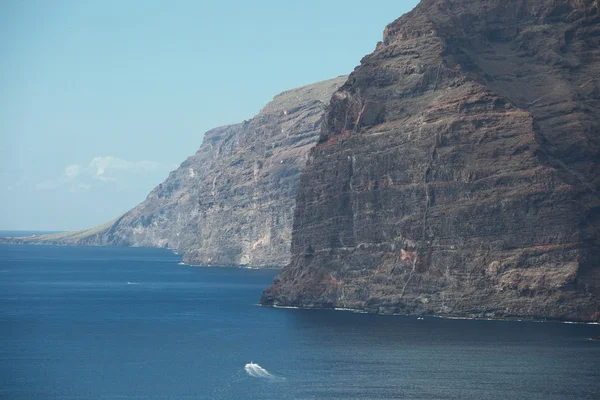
{"x":256,"y":371}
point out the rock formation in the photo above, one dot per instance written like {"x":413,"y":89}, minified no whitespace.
{"x":458,"y":169}
{"x":232,"y":202}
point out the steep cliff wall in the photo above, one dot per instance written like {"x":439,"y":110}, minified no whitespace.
{"x":232,"y":202}
{"x":458,"y":171}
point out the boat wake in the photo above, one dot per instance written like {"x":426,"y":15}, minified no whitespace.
{"x":256,"y":371}
{"x":132,"y":283}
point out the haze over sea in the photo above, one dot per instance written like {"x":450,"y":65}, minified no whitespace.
{"x":123,"y":323}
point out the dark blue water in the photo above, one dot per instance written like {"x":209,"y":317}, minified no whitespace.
{"x":71,"y":327}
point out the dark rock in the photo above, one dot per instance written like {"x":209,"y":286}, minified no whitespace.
{"x":458,"y":172}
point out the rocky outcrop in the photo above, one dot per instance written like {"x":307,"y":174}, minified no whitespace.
{"x":232,"y":202}
{"x":458,"y":171}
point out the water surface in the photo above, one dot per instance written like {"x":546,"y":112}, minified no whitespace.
{"x":118,"y":323}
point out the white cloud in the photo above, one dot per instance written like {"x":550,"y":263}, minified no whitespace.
{"x":105,"y":169}
{"x":46,"y":185}
{"x":79,"y":186}
{"x":72,"y":171}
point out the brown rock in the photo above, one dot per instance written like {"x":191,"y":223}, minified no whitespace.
{"x":458,"y":172}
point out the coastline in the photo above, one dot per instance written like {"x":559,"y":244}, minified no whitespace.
{"x":357,"y":311}
{"x":438,"y":316}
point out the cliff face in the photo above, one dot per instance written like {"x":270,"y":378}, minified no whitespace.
{"x":458,"y":171}
{"x":232,"y":202}
{"x":245,"y":205}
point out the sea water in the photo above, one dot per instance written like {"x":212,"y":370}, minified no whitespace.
{"x":118,"y":323}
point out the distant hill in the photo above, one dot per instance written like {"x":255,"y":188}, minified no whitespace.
{"x":232,"y":202}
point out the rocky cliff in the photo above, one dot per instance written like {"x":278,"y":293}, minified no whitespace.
{"x":232,"y":202}
{"x":458,"y":170}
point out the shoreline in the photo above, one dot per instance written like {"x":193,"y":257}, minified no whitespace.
{"x":356,"y":311}
{"x":439,"y":316}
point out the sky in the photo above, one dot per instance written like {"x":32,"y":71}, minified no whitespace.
{"x":100,"y":100}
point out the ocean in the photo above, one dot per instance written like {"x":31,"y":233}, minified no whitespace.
{"x":124,"y":323}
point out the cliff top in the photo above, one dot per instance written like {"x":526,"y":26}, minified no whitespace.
{"x":320,"y":91}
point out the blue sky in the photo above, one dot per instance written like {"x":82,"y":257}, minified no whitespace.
{"x":99,"y":100}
